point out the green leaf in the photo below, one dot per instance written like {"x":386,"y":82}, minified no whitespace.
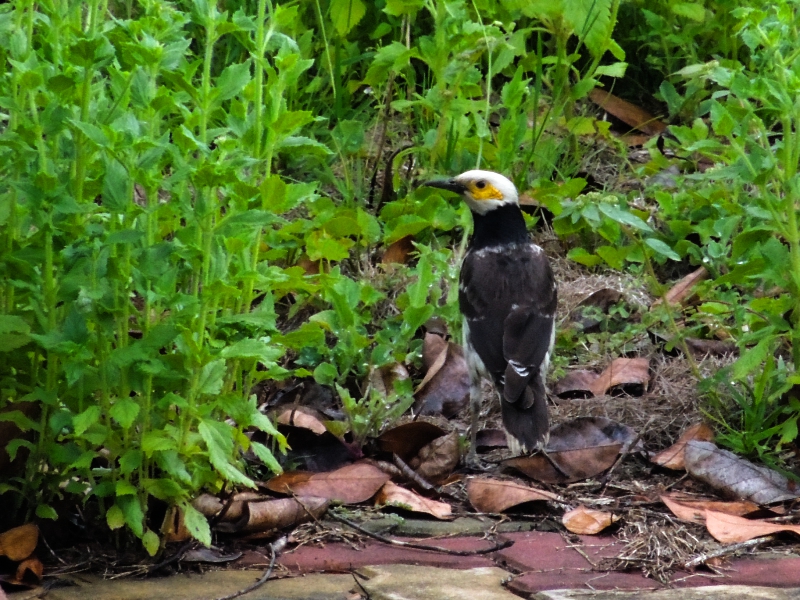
{"x":196,"y":523}
{"x":662,"y":248}
{"x":157,"y":441}
{"x":584,"y":257}
{"x":219,"y":441}
{"x":615,"y":70}
{"x":151,"y":542}
{"x":124,"y":411}
{"x":45,"y":511}
{"x":623,"y":217}
{"x":398,"y":8}
{"x":752,"y":358}
{"x":114,"y":517}
{"x":346,"y":14}
{"x":211,"y":378}
{"x":130,"y":461}
{"x":132,"y":511}
{"x":232,"y":80}
{"x":321,"y":246}
{"x":81,"y":422}
{"x":325,"y":374}
{"x":266,"y":456}
{"x":250,"y":348}
{"x":690,"y":10}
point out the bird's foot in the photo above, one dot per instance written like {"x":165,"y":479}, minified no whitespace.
{"x":473,"y":463}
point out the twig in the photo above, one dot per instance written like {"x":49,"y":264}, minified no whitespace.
{"x":392,"y":542}
{"x":264,"y":577}
{"x":361,"y":587}
{"x":412,"y":475}
{"x":702,"y":558}
{"x":622,"y":455}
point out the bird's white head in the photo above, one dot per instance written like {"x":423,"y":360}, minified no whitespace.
{"x":483,"y":191}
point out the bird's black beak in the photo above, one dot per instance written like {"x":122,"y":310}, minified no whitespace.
{"x":450,"y":185}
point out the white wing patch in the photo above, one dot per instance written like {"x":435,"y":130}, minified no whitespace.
{"x":520,"y":369}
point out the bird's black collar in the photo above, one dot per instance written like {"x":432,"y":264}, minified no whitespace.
{"x":498,"y":227}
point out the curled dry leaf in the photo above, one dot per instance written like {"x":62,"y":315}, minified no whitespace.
{"x":208,"y":555}
{"x":382,"y":380}
{"x":398,"y":251}
{"x":211,"y":505}
{"x":731,"y":529}
{"x":173,"y":527}
{"x":683,"y":288}
{"x":282,"y":512}
{"x":20,"y":542}
{"x":673,"y":457}
{"x":736,"y":476}
{"x":30,"y":565}
{"x":587,"y":521}
{"x":408,"y":439}
{"x":577,"y":449}
{"x":445,"y":387}
{"x":628,"y":113}
{"x":625,"y":372}
{"x":349,"y":485}
{"x":399,"y":497}
{"x":436,"y":461}
{"x":496,"y":495}
{"x":303,"y":417}
{"x":694,"y":509}
{"x":700,"y":347}
{"x":576,"y":384}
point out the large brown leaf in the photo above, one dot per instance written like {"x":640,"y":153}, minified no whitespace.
{"x":20,"y":542}
{"x":694,"y":509}
{"x":587,"y":521}
{"x":674,"y":456}
{"x":576,"y":384}
{"x":577,"y":449}
{"x":623,"y":372}
{"x":399,"y":497}
{"x":282,"y":512}
{"x":445,"y":387}
{"x":496,"y":495}
{"x":730,"y":529}
{"x":435,"y":461}
{"x":408,"y":439}
{"x":349,"y":485}
{"x":626,"y":112}
{"x":735,"y":476}
{"x":300,"y":416}
{"x":683,"y":288}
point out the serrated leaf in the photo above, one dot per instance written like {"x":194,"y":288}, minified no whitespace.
{"x":219,"y":441}
{"x":124,"y":411}
{"x":211,"y":378}
{"x":346,"y":14}
{"x":250,"y":348}
{"x":81,"y":422}
{"x":266,"y":456}
{"x":132,"y":511}
{"x":196,"y":523}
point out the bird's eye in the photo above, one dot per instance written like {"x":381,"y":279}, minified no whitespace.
{"x":480,"y":185}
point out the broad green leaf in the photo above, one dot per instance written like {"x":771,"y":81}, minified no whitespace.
{"x":615,"y":70}
{"x":752,"y":358}
{"x":196,"y":523}
{"x":81,"y":422}
{"x":114,"y":517}
{"x":266,"y":456}
{"x":325,"y":374}
{"x":151,"y":542}
{"x":132,"y":511}
{"x":398,"y":8}
{"x":211,"y":378}
{"x":584,"y":257}
{"x":124,"y":411}
{"x":623,"y":217}
{"x":219,"y":441}
{"x":346,"y":14}
{"x":662,"y":248}
{"x":45,"y":511}
{"x":690,"y":10}
{"x":250,"y":348}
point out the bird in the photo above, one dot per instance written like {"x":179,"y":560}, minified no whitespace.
{"x":507,"y":296}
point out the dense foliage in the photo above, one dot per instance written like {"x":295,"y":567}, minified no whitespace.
{"x":189,"y":208}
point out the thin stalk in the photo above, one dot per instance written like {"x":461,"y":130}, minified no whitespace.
{"x":327,"y":47}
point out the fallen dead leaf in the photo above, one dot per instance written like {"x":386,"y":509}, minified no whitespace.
{"x":399,"y":497}
{"x":351,"y":484}
{"x":730,"y":529}
{"x":408,"y":439}
{"x":587,"y":521}
{"x":576,"y":384}
{"x":577,"y":449}
{"x":173,"y":527}
{"x":735,"y":476}
{"x":30,"y":565}
{"x":436,"y":461}
{"x":497,"y":495}
{"x":20,"y":542}
{"x":683,"y":288}
{"x":601,"y":299}
{"x":673,"y":457}
{"x":624,"y":372}
{"x":694,"y":510}
{"x":208,"y":555}
{"x":445,"y":388}
{"x":383,"y":379}
{"x":700,"y":347}
{"x":489,"y":438}
{"x":398,"y":251}
{"x":303,"y":417}
{"x":282,"y":512}
{"x":628,"y":113}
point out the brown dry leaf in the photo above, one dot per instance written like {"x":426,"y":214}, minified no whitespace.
{"x":30,"y":565}
{"x":20,"y":542}
{"x":576,"y":384}
{"x":394,"y":495}
{"x":436,"y":461}
{"x":408,"y":439}
{"x":735,"y":476}
{"x":628,"y":113}
{"x":445,"y":388}
{"x":602,"y":299}
{"x":694,"y":510}
{"x":301,"y":416}
{"x":683,"y":288}
{"x":282,"y":512}
{"x":730,"y":529}
{"x":700,"y":347}
{"x":577,"y":449}
{"x":489,"y":438}
{"x":398,"y":251}
{"x":587,"y":521}
{"x":623,"y":371}
{"x":433,"y":345}
{"x":496,"y":495}
{"x":349,"y":485}
{"x":382,"y":380}
{"x":208,"y":555}
{"x":673,"y":457}
{"x":173,"y":527}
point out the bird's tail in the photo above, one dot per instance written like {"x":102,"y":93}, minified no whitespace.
{"x":525,"y":420}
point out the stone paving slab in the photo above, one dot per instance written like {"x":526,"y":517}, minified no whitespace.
{"x":720,"y":592}
{"x":406,"y":582}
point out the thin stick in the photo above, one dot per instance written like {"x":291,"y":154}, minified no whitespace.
{"x":258,"y":583}
{"x":412,"y":475}
{"x":392,"y":542}
{"x":702,"y":558}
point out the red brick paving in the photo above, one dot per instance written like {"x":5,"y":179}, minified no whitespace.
{"x":543,"y":561}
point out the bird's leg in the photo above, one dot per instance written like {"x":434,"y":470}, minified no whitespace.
{"x":475,"y":398}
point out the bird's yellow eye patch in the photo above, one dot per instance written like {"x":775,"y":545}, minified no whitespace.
{"x":483,"y":190}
